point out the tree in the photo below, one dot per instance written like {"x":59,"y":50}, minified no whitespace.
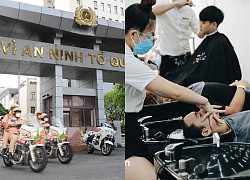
{"x":114,"y":102}
{"x":3,"y":111}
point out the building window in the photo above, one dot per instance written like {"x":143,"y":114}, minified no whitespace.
{"x":77,"y":101}
{"x":32,"y":110}
{"x":67,"y":101}
{"x":103,"y":17}
{"x":33,"y":96}
{"x":109,"y":8}
{"x":89,"y":117}
{"x":115,"y":9}
{"x":122,"y":11}
{"x":95,"y":5}
{"x":77,"y":117}
{"x":79,"y":111}
{"x":116,"y":20}
{"x":102,"y":7}
{"x":89,"y":101}
{"x":33,"y":82}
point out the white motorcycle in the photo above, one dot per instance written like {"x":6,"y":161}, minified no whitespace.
{"x":56,"y":144}
{"x":28,"y":151}
{"x":102,"y":140}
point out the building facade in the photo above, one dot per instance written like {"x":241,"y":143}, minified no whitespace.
{"x":48,"y":43}
{"x":112,"y":10}
{"x":9,"y":96}
{"x":29,"y":97}
{"x":26,"y":96}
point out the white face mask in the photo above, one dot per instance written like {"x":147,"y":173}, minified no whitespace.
{"x":46,"y":119}
{"x":39,"y":116}
{"x":18,"y":115}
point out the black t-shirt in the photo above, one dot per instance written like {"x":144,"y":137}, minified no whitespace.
{"x":220,"y":94}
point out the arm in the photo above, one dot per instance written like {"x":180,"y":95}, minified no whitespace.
{"x":162,"y":8}
{"x":165,"y":88}
{"x":238,"y":101}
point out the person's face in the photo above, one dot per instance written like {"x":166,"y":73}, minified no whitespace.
{"x":137,"y":36}
{"x":196,"y":119}
{"x":17,"y":114}
{"x":207,"y":27}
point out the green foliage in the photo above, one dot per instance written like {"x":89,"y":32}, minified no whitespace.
{"x":37,"y":137}
{"x":123,"y":126}
{"x":114,"y":102}
{"x":3,"y":111}
{"x":62,"y":137}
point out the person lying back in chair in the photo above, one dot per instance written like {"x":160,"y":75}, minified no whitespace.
{"x":197,"y":125}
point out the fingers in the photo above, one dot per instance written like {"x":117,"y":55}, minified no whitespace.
{"x":234,"y":83}
{"x":212,"y":116}
{"x":190,"y":3}
{"x":216,"y":117}
{"x":206,"y":115}
{"x":216,"y":106}
{"x":219,"y":111}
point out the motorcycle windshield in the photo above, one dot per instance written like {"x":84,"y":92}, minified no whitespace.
{"x":31,"y":127}
{"x":59,"y":127}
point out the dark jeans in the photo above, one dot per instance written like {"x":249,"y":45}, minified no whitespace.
{"x":169,"y":63}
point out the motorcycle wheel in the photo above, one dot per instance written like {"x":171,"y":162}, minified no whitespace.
{"x":49,"y":150}
{"x":41,"y":159}
{"x":68,"y":154}
{"x":90,"y":149}
{"x":7,"y":162}
{"x":106,"y":151}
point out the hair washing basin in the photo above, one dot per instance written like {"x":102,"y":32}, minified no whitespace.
{"x":207,"y":161}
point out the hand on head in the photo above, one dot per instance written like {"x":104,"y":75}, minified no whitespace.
{"x":212,"y":112}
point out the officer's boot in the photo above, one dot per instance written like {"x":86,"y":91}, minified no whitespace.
{"x":3,"y":152}
{"x":11,"y":158}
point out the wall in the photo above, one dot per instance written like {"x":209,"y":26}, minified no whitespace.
{"x":24,"y":99}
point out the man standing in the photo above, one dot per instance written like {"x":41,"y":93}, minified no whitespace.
{"x":174,"y":19}
{"x":214,"y":60}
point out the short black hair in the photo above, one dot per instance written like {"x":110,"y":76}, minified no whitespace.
{"x":192,"y":131}
{"x":212,"y":14}
{"x":138,"y":15}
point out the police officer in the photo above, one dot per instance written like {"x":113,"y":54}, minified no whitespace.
{"x":4,"y":122}
{"x":44,"y":122}
{"x":38,"y":113}
{"x":11,"y":133}
{"x":37,"y":118}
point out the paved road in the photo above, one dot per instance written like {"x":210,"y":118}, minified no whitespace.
{"x":83,"y":167}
